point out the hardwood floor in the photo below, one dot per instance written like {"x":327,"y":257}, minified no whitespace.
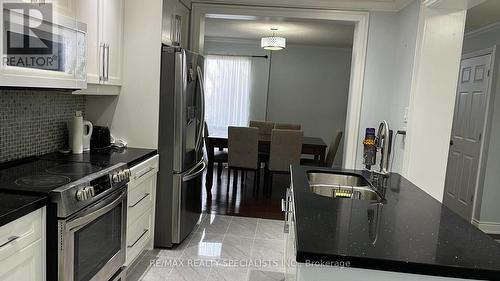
{"x":242,"y":199}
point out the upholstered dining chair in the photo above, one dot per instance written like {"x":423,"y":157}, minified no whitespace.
{"x":265,"y":127}
{"x":287,"y":126}
{"x":220,"y":156}
{"x":286,"y":149}
{"x":243,"y":149}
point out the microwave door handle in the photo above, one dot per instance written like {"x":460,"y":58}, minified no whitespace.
{"x":107,"y":62}
{"x":202,"y":99}
{"x":92,"y":214}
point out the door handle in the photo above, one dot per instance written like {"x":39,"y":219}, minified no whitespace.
{"x":102,"y":71}
{"x":146,"y":195}
{"x":139,"y":238}
{"x":202,"y":101}
{"x":193,"y":173}
{"x":107,"y":62}
{"x":9,"y":240}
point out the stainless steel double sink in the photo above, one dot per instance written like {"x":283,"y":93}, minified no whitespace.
{"x":341,"y":185}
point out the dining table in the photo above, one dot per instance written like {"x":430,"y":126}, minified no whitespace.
{"x":217,"y":139}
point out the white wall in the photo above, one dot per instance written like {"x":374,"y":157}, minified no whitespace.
{"x":487,"y":208}
{"x":388,"y":72}
{"x":309,"y":85}
{"x":260,"y":69}
{"x":432,"y":100}
{"x":133,"y":115}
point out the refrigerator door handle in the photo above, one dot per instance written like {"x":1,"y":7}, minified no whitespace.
{"x":202,"y":98}
{"x":179,"y":116}
{"x":195,"y":171}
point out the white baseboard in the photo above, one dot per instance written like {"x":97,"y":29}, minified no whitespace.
{"x":487,"y":227}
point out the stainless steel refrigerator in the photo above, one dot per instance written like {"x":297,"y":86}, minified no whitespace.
{"x":180,"y":145}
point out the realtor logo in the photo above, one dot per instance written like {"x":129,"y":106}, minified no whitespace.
{"x":28,"y":36}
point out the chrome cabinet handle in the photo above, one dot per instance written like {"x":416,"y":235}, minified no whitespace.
{"x":10,"y":240}
{"x":102,"y":73}
{"x":139,"y":238}
{"x":136,"y":203}
{"x":107,"y":62}
{"x":143,"y":174}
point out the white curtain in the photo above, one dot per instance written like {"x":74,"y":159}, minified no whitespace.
{"x":227,"y":91}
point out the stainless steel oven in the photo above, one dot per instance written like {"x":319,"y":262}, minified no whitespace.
{"x":92,"y":241}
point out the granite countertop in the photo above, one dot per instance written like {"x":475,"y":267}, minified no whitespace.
{"x":409,"y":231}
{"x":14,"y":206}
{"x":130,"y":155}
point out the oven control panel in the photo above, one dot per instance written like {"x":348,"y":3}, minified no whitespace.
{"x":95,"y":188}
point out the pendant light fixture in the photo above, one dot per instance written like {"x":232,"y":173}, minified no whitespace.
{"x":273,"y":43}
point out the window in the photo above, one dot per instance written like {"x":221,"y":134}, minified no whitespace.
{"x":227,"y":91}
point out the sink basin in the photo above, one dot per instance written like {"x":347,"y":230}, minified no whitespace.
{"x":345,"y":186}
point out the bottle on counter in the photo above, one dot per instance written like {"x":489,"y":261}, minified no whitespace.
{"x":76,"y":134}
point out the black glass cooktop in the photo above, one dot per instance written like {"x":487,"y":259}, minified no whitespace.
{"x":42,"y":176}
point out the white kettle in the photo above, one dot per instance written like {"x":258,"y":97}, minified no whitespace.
{"x":87,"y":133}
{"x":80,"y":132}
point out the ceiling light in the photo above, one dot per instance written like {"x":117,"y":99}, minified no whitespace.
{"x":273,"y":43}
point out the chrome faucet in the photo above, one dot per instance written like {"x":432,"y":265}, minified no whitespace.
{"x":383,"y":134}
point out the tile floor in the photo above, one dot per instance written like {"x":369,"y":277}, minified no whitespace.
{"x":221,"y":248}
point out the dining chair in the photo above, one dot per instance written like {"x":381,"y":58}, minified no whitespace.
{"x":265,"y":127}
{"x":330,"y":155}
{"x":243,"y":149}
{"x":220,"y":156}
{"x":287,"y":126}
{"x":286,"y":149}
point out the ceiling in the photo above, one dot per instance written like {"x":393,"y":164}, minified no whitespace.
{"x":367,"y":5}
{"x":296,"y":31}
{"x":483,"y":15}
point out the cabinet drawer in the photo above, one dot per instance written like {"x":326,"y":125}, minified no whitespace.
{"x":140,"y":198}
{"x":139,"y":232}
{"x":143,"y":171}
{"x":25,"y":264}
{"x":20,"y":233}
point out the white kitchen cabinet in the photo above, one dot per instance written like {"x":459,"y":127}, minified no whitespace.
{"x":175,"y":22}
{"x":141,"y":208}
{"x":104,"y":19}
{"x":61,"y":7}
{"x":22,"y":254}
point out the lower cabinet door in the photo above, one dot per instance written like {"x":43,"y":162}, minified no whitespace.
{"x":24,"y":265}
{"x":139,"y":233}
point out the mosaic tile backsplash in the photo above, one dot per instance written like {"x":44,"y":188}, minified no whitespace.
{"x":34,"y":122}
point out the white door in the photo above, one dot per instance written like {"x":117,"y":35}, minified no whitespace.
{"x":468,"y":126}
{"x":112,"y":35}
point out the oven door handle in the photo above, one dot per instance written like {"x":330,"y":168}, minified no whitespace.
{"x":96,"y":211}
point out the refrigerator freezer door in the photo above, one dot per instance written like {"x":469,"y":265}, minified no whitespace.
{"x":189,"y":111}
{"x":186,"y":201}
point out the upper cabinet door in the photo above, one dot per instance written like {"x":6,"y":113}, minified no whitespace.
{"x":104,"y":19}
{"x":87,"y":11}
{"x":181,"y":24}
{"x":175,"y":26}
{"x":112,"y":38}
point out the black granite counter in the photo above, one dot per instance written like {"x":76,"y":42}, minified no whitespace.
{"x":409,"y":231}
{"x":14,"y":206}
{"x":130,"y":155}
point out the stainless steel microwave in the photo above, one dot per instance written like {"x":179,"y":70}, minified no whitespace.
{"x":42,"y":49}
